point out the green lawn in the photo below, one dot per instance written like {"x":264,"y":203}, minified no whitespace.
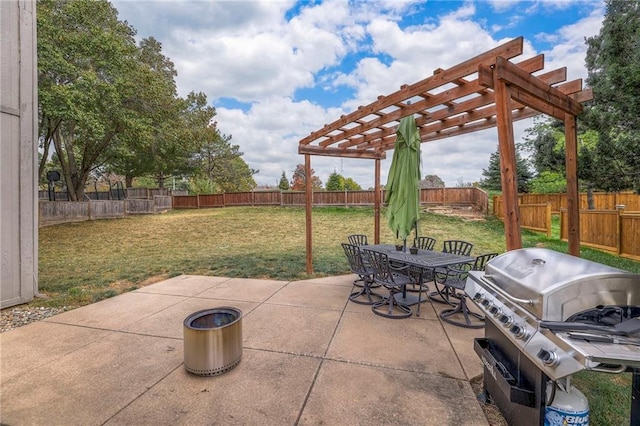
{"x":81,"y":263}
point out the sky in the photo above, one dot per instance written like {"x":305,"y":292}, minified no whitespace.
{"x":277,"y":70}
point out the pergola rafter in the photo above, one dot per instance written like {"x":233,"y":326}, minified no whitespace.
{"x":483,"y":92}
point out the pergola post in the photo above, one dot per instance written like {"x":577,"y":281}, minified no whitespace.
{"x":508,"y":173}
{"x":571,"y":165}
{"x":376,"y":202}
{"x":308,"y":208}
{"x":480,"y":93}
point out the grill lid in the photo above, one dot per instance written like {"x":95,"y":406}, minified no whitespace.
{"x":553,"y":285}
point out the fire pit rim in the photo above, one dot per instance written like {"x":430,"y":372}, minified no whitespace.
{"x":208,"y":311}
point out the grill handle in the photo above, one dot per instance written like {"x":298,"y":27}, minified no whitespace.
{"x":614,"y":369}
{"x":506,"y":295}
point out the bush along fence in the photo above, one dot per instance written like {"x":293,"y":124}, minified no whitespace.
{"x":473,"y":197}
{"x":55,"y":212}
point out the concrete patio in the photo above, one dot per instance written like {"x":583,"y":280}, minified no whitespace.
{"x":309,"y":357}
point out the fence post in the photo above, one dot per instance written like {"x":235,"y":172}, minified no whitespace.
{"x":548,"y":220}
{"x":619,"y":211}
{"x":198,"y":201}
{"x":346,"y":201}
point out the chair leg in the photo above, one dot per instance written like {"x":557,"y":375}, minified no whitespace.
{"x":370,"y":296}
{"x":447,"y":315}
{"x":387,"y":306}
{"x":443,"y":295}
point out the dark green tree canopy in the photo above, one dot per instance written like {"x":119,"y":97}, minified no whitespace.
{"x":492,"y":174}
{"x":613,"y":64}
{"x":107,"y":105}
{"x":335,"y":182}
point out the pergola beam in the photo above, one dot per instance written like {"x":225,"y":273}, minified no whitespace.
{"x":483,"y":92}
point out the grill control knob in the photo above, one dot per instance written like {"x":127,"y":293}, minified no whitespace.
{"x":487,"y":303}
{"x":549,"y":358}
{"x":477,"y":297}
{"x":495,"y":311}
{"x":519,"y":331}
{"x":506,"y":320}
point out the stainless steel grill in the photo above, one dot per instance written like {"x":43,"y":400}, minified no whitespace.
{"x":550,"y":315}
{"x":528,"y":292}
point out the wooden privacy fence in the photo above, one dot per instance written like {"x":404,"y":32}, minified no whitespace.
{"x":56,"y":212}
{"x":113,"y":194}
{"x":474,"y":197}
{"x":536,"y":217}
{"x":616,"y":231}
{"x":601,"y":200}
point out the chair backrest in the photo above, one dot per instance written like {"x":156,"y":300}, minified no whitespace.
{"x":461,"y":248}
{"x":379,"y":263}
{"x":354,"y":256}
{"x":481,"y":261}
{"x":357,"y":239}
{"x":425,"y":243}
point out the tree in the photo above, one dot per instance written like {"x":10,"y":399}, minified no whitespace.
{"x":545,"y":142}
{"x":220,"y":163}
{"x":492,"y":174}
{"x":613,"y":61}
{"x":351,"y":185}
{"x":299,"y":182}
{"x":335,"y":182}
{"x":431,"y":181}
{"x":284,"y":183}
{"x":84,"y":60}
{"x":548,"y":182}
{"x":158,"y":110}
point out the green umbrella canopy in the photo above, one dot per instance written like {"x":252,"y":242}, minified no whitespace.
{"x":402,"y":196}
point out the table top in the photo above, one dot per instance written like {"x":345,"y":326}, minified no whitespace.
{"x":423,"y":259}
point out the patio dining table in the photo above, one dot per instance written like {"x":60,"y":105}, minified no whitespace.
{"x":424,"y":259}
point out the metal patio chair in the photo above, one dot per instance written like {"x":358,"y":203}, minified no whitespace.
{"x":424,"y":243}
{"x":394,"y":279}
{"x":455,"y":279}
{"x":365,"y":276}
{"x":357,"y":239}
{"x":461,"y":248}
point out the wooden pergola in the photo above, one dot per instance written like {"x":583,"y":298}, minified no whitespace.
{"x":483,"y":92}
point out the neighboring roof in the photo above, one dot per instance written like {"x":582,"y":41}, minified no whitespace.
{"x":451,"y":102}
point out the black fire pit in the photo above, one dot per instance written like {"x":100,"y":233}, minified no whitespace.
{"x":212,"y":341}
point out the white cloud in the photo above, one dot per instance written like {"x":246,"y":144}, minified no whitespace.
{"x":262,"y":52}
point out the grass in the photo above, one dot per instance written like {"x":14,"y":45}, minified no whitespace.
{"x":88,"y":261}
{"x":80,"y":263}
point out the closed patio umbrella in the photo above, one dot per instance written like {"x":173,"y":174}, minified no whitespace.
{"x":402,"y":196}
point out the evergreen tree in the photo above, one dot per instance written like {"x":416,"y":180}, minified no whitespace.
{"x":492,"y":175}
{"x":284,"y":183}
{"x":613,"y":64}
